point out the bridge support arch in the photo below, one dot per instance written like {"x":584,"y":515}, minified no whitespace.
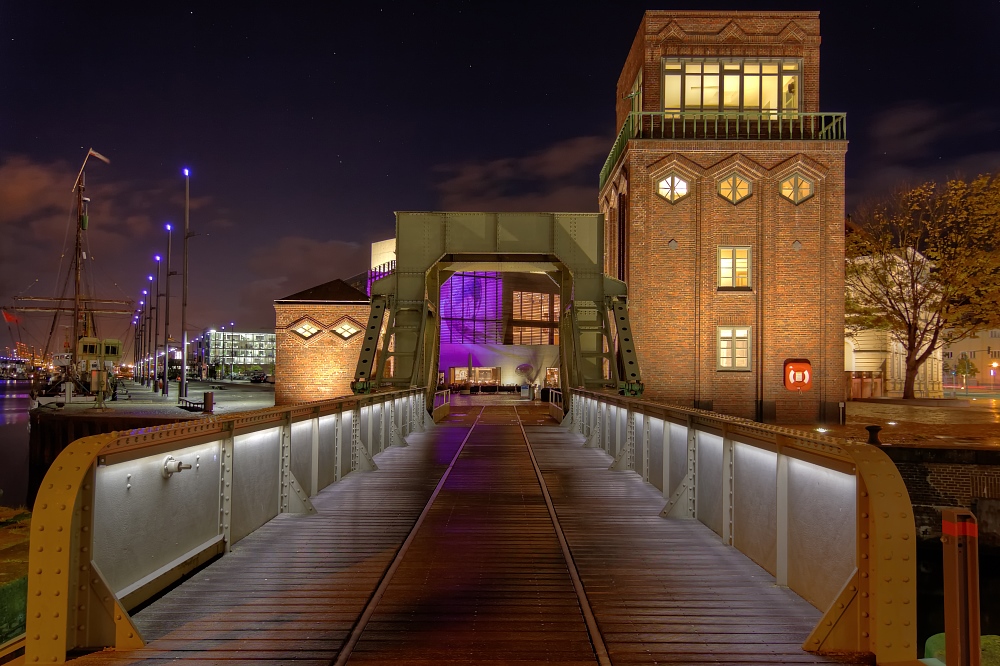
{"x":597,"y":349}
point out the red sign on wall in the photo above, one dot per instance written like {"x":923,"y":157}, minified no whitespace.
{"x":798,"y":374}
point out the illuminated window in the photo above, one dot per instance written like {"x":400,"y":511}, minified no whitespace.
{"x":535,"y":335}
{"x":552,"y":377}
{"x":734,"y":188}
{"x":698,"y":84}
{"x":346,"y":329}
{"x":306,"y":330}
{"x":796,"y":189}
{"x":734,"y":347}
{"x":672,"y":188}
{"x":470,"y":309}
{"x":734,"y":268}
{"x":534,"y":306}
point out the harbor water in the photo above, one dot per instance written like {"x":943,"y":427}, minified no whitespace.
{"x":14,"y":405}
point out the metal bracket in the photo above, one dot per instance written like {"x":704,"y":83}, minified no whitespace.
{"x":676,"y":498}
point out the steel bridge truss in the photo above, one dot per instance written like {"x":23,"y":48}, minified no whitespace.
{"x":401,"y":347}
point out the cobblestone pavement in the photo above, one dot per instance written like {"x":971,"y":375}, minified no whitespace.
{"x":975,"y":426}
{"x":230,"y":396}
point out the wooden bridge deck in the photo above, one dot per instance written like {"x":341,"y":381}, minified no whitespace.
{"x":483,"y":579}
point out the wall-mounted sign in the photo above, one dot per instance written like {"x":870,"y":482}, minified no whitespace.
{"x":798,"y":374}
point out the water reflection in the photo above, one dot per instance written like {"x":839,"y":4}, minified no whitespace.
{"x":14,"y":405}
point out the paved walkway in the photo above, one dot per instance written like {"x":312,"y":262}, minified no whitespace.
{"x":483,"y":579}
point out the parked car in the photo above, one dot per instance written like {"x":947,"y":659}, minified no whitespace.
{"x":257,"y":376}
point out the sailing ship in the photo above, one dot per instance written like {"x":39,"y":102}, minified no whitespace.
{"x":87,"y":361}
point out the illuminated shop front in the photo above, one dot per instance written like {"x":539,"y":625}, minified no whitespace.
{"x":499,"y":329}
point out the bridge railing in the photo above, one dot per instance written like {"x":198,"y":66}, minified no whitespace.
{"x":829,"y":519}
{"x":119,"y":517}
{"x":442,"y":405}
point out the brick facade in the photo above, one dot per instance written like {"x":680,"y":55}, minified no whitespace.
{"x":795,"y":306}
{"x":939,"y":478}
{"x":322,"y":366}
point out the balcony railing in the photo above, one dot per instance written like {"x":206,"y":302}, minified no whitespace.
{"x":726,"y":126}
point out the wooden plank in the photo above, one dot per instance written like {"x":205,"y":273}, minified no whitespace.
{"x":664,"y":590}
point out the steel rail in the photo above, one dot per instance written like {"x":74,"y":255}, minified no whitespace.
{"x":594,"y":631}
{"x":359,"y":627}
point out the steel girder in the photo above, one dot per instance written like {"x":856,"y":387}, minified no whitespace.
{"x":403,"y":351}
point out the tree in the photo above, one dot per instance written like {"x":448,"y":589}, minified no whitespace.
{"x":924,"y":265}
{"x":966,"y":367}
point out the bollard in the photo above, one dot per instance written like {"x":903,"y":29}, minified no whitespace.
{"x":960,"y":536}
{"x":873,"y":431}
{"x":208,"y":405}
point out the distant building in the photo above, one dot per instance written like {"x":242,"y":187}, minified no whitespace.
{"x":983,"y":352}
{"x":724,"y":195}
{"x":220,"y":353}
{"x":875,"y":365}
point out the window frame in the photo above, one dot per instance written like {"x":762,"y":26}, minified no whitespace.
{"x":794,"y":199}
{"x":718,"y":267}
{"x":688,"y":187}
{"x":784,"y":69}
{"x":731,"y":178}
{"x":719,"y":366}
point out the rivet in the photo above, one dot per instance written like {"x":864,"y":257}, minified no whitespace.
{"x":852,"y":588}
{"x":56,"y":593}
{"x":41,"y":528}
{"x":888,"y":622}
{"x":888,"y":579}
{"x":865,"y":634}
{"x":36,"y":637}
{"x":39,"y":572}
{"x":118,"y":616}
{"x":865,"y":614}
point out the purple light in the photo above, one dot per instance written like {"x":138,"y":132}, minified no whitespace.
{"x":186,"y":172}
{"x":142,"y":302}
{"x":157,"y":257}
{"x":150,"y":278}
{"x":168,"y":226}
{"x":144,"y":291}
{"x":470,"y":308}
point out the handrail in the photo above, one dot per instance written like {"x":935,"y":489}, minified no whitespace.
{"x":442,"y":405}
{"x":121,"y":516}
{"x":713,"y":466}
{"x":556,"y":409}
{"x":725,"y":126}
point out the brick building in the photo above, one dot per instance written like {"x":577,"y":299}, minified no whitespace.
{"x":317,"y":342}
{"x":724,"y":195}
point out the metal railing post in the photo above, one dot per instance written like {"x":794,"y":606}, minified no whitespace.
{"x":960,"y":538}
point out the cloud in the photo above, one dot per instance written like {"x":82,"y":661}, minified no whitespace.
{"x":562,"y":177}
{"x":295,"y":263}
{"x":917,"y":141}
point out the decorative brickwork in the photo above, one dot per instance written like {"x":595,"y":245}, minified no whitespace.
{"x":319,"y":367}
{"x":795,"y":304}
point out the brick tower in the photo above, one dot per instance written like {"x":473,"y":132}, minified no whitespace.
{"x":724,"y":195}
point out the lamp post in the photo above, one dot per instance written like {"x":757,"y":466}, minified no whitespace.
{"x":993,"y":373}
{"x":184,"y":283}
{"x":222,"y":354}
{"x":166,"y":317}
{"x":149,"y":329}
{"x":156,"y":323}
{"x":232,"y":350}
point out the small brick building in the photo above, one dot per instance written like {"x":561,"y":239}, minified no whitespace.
{"x":724,"y":195}
{"x":317,"y":342}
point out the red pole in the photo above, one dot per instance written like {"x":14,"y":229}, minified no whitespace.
{"x":960,"y":536}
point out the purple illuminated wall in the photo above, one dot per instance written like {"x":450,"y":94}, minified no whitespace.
{"x":471,"y":309}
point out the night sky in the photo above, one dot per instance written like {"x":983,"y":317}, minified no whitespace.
{"x":306,"y":125}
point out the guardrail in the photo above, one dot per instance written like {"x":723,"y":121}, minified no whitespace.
{"x":442,"y":405}
{"x":556,"y":410}
{"x":827,"y":518}
{"x":119,"y":517}
{"x":725,"y":126}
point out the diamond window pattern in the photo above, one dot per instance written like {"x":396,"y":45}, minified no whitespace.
{"x":346,"y":329}
{"x":796,"y":189}
{"x":673,"y":188}
{"x":734,"y":188}
{"x":306,"y":330}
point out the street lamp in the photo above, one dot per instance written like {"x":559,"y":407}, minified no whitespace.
{"x":232,"y":350}
{"x":166,"y":317}
{"x":149,"y":330}
{"x":993,"y":374}
{"x":156,"y":323}
{"x":184,"y":282}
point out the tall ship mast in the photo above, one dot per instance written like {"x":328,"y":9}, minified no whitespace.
{"x":85,"y":346}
